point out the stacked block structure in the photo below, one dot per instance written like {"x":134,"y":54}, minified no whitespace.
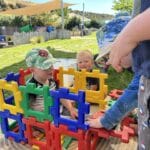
{"x":80,"y":84}
{"x":16,"y":107}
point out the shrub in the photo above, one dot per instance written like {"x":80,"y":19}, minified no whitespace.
{"x":37,"y":39}
{"x":94,"y":24}
{"x":73,"y":22}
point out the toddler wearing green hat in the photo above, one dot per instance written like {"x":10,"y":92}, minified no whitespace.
{"x":41,"y":63}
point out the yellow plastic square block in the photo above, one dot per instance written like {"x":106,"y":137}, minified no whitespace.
{"x":13,"y":87}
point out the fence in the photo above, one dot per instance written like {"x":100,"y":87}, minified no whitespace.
{"x":4,"y":30}
{"x":24,"y":38}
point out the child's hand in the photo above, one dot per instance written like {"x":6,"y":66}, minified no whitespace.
{"x":95,"y":123}
{"x":73,"y":113}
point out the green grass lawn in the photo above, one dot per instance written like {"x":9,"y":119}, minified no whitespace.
{"x":12,"y":55}
{"x":13,"y":58}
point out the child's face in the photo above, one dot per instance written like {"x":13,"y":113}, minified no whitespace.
{"x":43,"y":74}
{"x":85,"y":62}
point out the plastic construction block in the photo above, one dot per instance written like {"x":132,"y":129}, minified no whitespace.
{"x":102,"y":104}
{"x":13,"y":87}
{"x":91,"y":95}
{"x":111,"y":102}
{"x":12,"y":77}
{"x":91,"y":140}
{"x":83,"y":108}
{"x":55,"y":74}
{"x":127,"y":121}
{"x":17,"y":136}
{"x":63,"y":130}
{"x":124,"y":134}
{"x":23,"y":73}
{"x":0,"y":120}
{"x":115,"y":94}
{"x":31,"y":88}
{"x":80,"y":84}
{"x":45,"y":126}
{"x":70,"y":71}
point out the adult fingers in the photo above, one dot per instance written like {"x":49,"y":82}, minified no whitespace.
{"x":115,"y":63}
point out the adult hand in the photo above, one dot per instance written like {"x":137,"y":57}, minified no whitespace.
{"x":120,"y":49}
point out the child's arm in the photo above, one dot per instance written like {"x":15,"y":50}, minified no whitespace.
{"x":136,"y":31}
{"x":69,"y":105}
{"x":125,"y":104}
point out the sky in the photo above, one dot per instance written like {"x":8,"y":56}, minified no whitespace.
{"x":98,"y":6}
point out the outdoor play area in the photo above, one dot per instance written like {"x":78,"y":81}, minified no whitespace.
{"x":64,"y":33}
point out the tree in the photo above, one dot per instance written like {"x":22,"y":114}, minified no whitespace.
{"x":17,"y":21}
{"x":66,"y":12}
{"x":123,"y":5}
{"x":95,"y":24}
{"x":5,"y":21}
{"x":73,"y":22}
